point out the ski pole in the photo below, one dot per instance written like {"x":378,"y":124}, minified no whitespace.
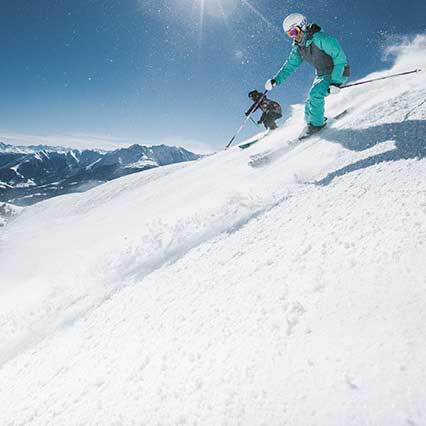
{"x":380,"y":78}
{"x":246,"y":119}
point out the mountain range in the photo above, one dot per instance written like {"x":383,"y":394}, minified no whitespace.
{"x":29,"y":174}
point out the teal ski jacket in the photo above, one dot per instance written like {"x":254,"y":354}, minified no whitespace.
{"x":320,"y":50}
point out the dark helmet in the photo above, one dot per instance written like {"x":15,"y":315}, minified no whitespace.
{"x":254,"y":94}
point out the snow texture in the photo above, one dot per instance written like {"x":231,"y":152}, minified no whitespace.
{"x":214,"y":293}
{"x":8,"y":212}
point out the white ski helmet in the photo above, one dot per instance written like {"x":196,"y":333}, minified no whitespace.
{"x":295,"y":20}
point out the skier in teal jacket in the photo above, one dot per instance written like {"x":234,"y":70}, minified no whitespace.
{"x":324,"y":52}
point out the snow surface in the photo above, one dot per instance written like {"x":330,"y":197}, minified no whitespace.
{"x":214,"y":293}
{"x":8,"y":212}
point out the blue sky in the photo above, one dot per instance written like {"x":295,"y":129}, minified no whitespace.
{"x":176,"y":71}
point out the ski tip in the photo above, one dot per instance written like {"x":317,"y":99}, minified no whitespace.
{"x":247,"y":145}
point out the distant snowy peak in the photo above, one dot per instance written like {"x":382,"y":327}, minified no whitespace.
{"x":20,"y":149}
{"x":142,"y":163}
{"x":31,"y":174}
{"x":160,"y":155}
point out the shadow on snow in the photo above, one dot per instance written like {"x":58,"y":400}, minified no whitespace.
{"x":409,"y":137}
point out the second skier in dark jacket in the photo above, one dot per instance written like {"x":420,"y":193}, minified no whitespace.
{"x":271,"y":110}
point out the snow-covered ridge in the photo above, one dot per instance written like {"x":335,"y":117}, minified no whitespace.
{"x":211,"y":292}
{"x":30,"y":149}
{"x":34,"y":176}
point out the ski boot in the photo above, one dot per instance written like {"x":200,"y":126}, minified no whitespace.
{"x":310,"y":130}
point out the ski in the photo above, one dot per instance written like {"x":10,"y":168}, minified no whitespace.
{"x":265,"y":158}
{"x":248,"y":144}
{"x":251,"y":142}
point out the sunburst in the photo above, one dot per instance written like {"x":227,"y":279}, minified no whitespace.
{"x":203,"y":9}
{"x":213,"y":8}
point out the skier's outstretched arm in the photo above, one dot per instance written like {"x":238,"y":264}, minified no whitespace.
{"x":290,"y":65}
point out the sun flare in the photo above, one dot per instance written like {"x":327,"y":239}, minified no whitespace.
{"x":218,"y":8}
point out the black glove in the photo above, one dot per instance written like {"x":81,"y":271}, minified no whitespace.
{"x":260,"y":122}
{"x":334,"y":88}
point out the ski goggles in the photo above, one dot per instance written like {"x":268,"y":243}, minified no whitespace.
{"x":294,"y":31}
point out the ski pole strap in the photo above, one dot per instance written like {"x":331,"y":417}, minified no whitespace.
{"x":380,"y":78}
{"x":253,"y":121}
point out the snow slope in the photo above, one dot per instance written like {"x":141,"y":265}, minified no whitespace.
{"x":8,"y":212}
{"x":215,"y":293}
